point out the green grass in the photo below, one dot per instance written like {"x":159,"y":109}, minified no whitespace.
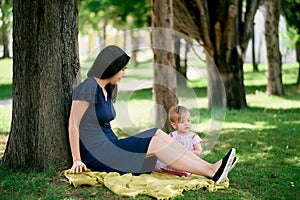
{"x":6,"y":93}
{"x":266,"y":136}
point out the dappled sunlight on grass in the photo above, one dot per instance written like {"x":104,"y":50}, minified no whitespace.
{"x":258,"y":125}
{"x":295,"y":160}
{"x":269,"y":102}
{"x":6,"y":71}
{"x":5,"y":118}
{"x":3,"y":141}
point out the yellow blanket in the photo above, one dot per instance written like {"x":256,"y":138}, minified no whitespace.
{"x":158,"y":185}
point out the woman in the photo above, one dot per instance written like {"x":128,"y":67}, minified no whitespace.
{"x":95,"y":146}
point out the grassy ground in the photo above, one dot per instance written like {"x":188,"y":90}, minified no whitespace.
{"x":266,"y":136}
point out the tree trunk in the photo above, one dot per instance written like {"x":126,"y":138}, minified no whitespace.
{"x":233,"y":79}
{"x":45,"y":65}
{"x":259,"y":49}
{"x":181,"y":73}
{"x":5,"y":41}
{"x":164,"y":88}
{"x":298,"y":60}
{"x":228,"y":55}
{"x":135,"y":46}
{"x":102,"y":34}
{"x":124,"y":39}
{"x":273,"y":60}
{"x":186,"y":51}
{"x":91,"y":42}
{"x":254,"y":63}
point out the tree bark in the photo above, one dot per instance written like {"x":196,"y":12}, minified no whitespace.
{"x":273,"y":56}
{"x":164,"y":88}
{"x":45,"y":70}
{"x":229,"y":55}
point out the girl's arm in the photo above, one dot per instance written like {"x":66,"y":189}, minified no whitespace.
{"x":197,"y":149}
{"x":78,"y":108}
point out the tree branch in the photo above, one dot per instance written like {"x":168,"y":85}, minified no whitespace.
{"x":204,"y":21}
{"x":184,"y":22}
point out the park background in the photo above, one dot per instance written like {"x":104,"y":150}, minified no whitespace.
{"x":266,"y":135}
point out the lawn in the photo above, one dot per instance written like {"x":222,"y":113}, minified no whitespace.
{"x":266,"y":136}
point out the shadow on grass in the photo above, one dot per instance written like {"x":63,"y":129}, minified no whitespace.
{"x":143,"y":94}
{"x":6,"y":91}
{"x":291,"y":91}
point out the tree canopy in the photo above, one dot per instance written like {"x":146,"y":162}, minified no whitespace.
{"x":291,"y":14}
{"x":122,"y":14}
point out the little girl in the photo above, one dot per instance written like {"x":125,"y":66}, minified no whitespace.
{"x":179,"y":117}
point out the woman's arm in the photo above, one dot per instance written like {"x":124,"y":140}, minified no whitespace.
{"x":78,"y":108}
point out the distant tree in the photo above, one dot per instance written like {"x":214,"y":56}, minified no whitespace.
{"x":291,"y":13}
{"x":45,"y":69}
{"x":165,"y":87}
{"x":182,"y":43}
{"x":273,"y":55}
{"x":254,"y":62}
{"x":6,"y":23}
{"x":223,"y":28}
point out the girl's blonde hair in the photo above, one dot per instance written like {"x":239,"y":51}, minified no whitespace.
{"x":177,"y":112}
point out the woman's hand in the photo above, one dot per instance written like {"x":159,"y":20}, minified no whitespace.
{"x":78,"y":166}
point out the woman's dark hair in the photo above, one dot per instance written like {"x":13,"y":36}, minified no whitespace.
{"x":109,"y":62}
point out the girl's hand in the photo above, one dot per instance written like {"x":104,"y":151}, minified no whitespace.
{"x":78,"y":166}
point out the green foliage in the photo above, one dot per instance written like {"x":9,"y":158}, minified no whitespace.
{"x":5,"y":17}
{"x":122,"y":14}
{"x":291,"y":13}
{"x":6,"y":7}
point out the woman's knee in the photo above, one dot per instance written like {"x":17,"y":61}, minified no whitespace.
{"x":158,"y":131}
{"x":163,"y":136}
{"x":159,"y":141}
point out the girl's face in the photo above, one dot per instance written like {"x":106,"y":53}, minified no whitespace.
{"x":184,"y":125}
{"x":115,"y":79}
